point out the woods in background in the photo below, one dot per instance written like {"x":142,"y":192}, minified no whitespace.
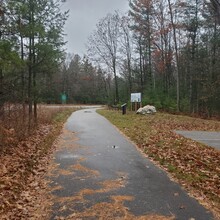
{"x":169,"y":50}
{"x":31,"y":40}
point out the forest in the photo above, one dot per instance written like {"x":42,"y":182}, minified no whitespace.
{"x":169,"y":50}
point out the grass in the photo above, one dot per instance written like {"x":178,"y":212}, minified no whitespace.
{"x":192,"y":164}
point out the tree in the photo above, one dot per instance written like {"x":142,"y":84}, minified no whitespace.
{"x":176,"y":56}
{"x":9,"y":58}
{"x":141,"y":13}
{"x":126,"y":50}
{"x":192,"y":27}
{"x":40,"y":24}
{"x":103,"y":45}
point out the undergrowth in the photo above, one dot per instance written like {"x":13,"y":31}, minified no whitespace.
{"x":14,"y":126}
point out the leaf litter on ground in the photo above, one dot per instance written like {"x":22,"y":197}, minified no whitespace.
{"x":194,"y":165}
{"x":23,"y":166}
{"x":23,"y":186}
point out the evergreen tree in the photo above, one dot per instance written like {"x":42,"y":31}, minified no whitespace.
{"x":38,"y":23}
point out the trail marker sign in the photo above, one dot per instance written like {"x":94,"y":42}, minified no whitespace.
{"x":135,"y":97}
{"x":63,"y":98}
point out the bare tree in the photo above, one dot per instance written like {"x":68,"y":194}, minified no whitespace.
{"x":126,"y":49}
{"x":103,"y":45}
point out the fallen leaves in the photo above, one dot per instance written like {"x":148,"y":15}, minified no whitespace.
{"x":19,"y":171}
{"x":22,"y":168}
{"x":78,"y":204}
{"x":195,"y":166}
{"x":112,"y":210}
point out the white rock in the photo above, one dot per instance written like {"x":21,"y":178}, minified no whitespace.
{"x":148,"y":109}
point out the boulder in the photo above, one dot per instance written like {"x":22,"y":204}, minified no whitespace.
{"x":148,"y":109}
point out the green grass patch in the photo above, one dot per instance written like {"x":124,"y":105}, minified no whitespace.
{"x":171,"y":168}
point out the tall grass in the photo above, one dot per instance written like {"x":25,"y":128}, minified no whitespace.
{"x":14,"y":123}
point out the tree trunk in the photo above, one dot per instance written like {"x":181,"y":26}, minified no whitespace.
{"x":30,"y":85}
{"x":129,"y":76}
{"x":177,"y":58}
{"x":193,"y":73}
{"x":23,"y":98}
{"x":30,"y":69}
{"x":35,"y":96}
{"x":213,"y":79}
{"x":151,"y":77}
{"x":141,"y":67}
{"x":116,"y":82}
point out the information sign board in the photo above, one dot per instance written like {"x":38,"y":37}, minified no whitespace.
{"x":135,"y":97}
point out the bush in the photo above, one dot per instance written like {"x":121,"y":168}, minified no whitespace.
{"x":169,"y":104}
{"x":184,"y":105}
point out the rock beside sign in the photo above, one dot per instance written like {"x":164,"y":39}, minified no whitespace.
{"x":148,"y":109}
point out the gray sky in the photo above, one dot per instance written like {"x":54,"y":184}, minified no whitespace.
{"x":83,"y":17}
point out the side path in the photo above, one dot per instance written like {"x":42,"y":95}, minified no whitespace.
{"x":99,"y":174}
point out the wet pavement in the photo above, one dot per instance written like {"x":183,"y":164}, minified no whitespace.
{"x":69,"y":106}
{"x":209,"y":138}
{"x":99,"y":174}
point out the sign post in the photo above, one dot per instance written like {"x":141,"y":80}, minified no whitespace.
{"x":136,"y":99}
{"x":63,"y":98}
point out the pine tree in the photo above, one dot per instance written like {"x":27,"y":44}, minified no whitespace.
{"x":38,"y":23}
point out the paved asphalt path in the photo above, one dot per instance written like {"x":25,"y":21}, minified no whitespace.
{"x":99,"y":174}
{"x":211,"y":139}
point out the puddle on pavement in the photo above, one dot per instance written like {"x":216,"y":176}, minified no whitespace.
{"x":115,"y":147}
{"x":87,"y":112}
{"x":68,"y":156}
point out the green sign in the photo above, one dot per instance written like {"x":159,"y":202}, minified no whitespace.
{"x":63,"y":98}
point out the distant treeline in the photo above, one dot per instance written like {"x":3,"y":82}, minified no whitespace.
{"x":167,"y":50}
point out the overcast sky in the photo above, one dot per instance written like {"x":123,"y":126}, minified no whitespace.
{"x":83,"y":17}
